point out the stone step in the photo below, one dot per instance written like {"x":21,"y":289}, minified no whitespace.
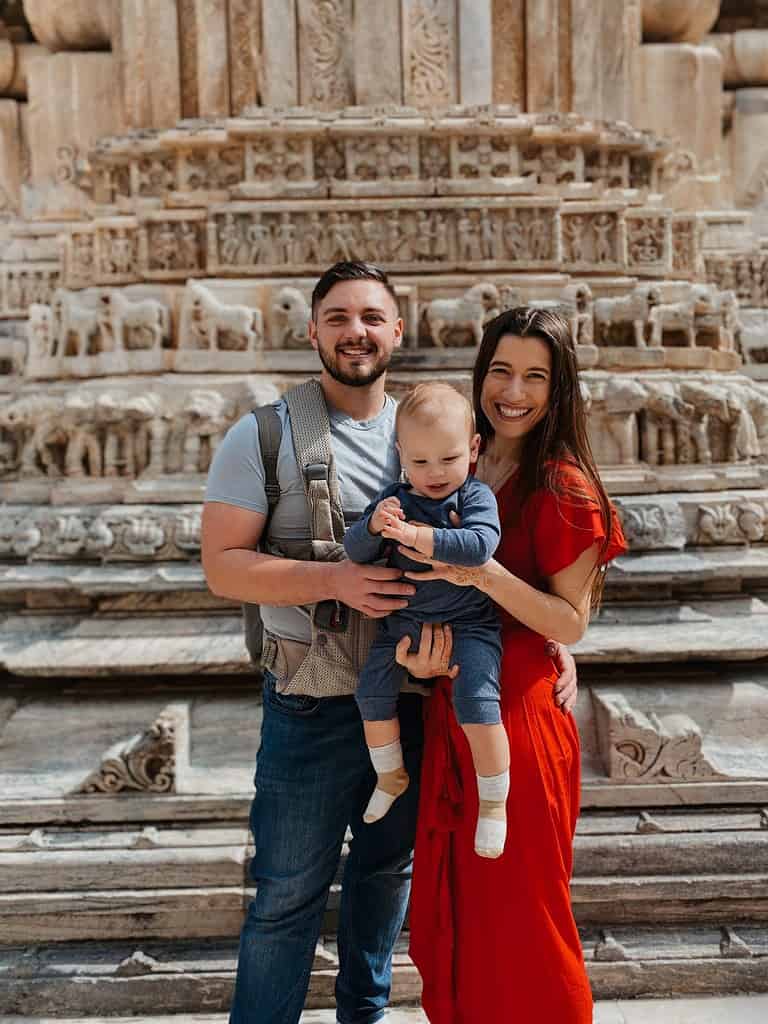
{"x":169,"y":858}
{"x":751,"y":1009}
{"x":88,"y":645}
{"x":107,"y":978}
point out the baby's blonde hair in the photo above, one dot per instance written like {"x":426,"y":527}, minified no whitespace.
{"x":428,"y":402}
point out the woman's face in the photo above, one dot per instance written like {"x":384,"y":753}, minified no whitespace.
{"x":515,"y":392}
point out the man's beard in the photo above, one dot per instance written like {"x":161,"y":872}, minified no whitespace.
{"x":358,"y":380}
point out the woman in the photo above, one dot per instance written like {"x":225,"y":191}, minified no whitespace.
{"x":495,"y":940}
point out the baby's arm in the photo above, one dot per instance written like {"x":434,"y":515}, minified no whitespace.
{"x":475,"y":540}
{"x":363,"y":540}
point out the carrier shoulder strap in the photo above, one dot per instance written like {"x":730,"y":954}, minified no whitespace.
{"x":311,"y":430}
{"x":270,"y":436}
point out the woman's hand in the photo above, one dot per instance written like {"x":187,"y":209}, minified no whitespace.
{"x":460,"y":575}
{"x":566,"y":689}
{"x":433,"y":657}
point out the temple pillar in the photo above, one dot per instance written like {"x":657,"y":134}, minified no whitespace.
{"x":146,"y":45}
{"x":72,"y":24}
{"x":693,"y":76}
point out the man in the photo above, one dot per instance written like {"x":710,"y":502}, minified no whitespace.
{"x":313,"y":774}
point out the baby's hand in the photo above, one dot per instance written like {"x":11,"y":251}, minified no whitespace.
{"x":402,"y":532}
{"x":386,"y":511}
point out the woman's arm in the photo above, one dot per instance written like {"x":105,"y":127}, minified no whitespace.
{"x":562,"y":614}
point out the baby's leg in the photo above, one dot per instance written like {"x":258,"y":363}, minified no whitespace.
{"x":377,"y":700}
{"x":477,"y":702}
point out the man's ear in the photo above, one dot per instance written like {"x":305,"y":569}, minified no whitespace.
{"x":312,"y":332}
{"x":399,"y":328}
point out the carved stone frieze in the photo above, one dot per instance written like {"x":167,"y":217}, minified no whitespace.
{"x":112,"y":434}
{"x":96,"y":333}
{"x":360,"y":151}
{"x":639,"y":747}
{"x":660,"y":419}
{"x":150,"y":762}
{"x":666,"y":420}
{"x":432,"y":235}
{"x":745,"y":273}
{"x":649,"y":242}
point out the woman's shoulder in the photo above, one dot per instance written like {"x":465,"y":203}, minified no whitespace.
{"x":567,"y":479}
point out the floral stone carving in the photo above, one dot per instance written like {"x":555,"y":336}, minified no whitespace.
{"x":149,"y":762}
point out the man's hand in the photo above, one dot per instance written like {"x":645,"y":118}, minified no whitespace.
{"x":371,"y":589}
{"x":566,"y":689}
{"x":433,"y":657}
{"x":386,"y":511}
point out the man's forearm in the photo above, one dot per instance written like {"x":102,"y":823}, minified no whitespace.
{"x":265,"y":579}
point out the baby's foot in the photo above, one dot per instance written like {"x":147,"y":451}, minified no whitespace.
{"x":391,"y":779}
{"x":491,"y":831}
{"x":389,"y":786}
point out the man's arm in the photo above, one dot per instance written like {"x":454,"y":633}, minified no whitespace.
{"x":236,"y":571}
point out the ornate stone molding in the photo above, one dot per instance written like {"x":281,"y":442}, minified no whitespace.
{"x":113,"y":533}
{"x":363,"y":151}
{"x":636,"y":747}
{"x":150,"y":762}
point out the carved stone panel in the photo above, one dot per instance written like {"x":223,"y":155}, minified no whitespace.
{"x":325,"y":59}
{"x":172,"y":245}
{"x":23,"y":284}
{"x":649,"y":242}
{"x":639,"y":747}
{"x":154,"y":761}
{"x":217,"y":336}
{"x":593,"y":238}
{"x":430,"y":54}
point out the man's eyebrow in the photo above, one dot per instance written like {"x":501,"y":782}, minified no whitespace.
{"x":343,"y":309}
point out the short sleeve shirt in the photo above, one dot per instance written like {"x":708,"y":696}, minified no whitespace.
{"x":366,"y":462}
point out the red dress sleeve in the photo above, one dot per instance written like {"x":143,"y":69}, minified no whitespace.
{"x":567,"y":524}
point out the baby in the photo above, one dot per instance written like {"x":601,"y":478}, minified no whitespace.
{"x":437,"y":443}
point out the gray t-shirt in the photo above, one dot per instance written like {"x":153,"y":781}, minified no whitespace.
{"x":366,"y":462}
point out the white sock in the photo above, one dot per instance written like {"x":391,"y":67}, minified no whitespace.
{"x":388,"y":764}
{"x":491,"y":831}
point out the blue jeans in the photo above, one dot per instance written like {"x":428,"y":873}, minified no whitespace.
{"x":313,"y":779}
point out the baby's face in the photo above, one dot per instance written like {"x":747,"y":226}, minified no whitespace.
{"x":436,"y":456}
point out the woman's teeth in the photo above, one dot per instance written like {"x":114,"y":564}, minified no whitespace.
{"x":508,"y":413}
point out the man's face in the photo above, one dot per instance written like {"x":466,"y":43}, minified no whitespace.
{"x":355,"y":330}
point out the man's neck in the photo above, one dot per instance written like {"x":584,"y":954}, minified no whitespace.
{"x":358,"y":403}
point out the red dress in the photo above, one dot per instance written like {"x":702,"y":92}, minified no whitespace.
{"x":495,"y":940}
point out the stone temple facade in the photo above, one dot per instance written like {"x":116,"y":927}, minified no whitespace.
{"x":173,"y":176}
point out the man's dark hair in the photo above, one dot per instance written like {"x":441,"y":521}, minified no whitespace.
{"x":349,"y":270}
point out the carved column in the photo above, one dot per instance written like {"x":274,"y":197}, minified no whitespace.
{"x":280,"y":70}
{"x":475,"y":51}
{"x":377,"y":30}
{"x":325,"y":72}
{"x":548,"y":46}
{"x":244,"y":54}
{"x":146,"y":44}
{"x":204,"y":55}
{"x":605,"y":40}
{"x":430,"y":52}
{"x":749,"y":154}
{"x":10,"y":157}
{"x":508,"y":35}
{"x":72,"y":24}
{"x":693,"y":75}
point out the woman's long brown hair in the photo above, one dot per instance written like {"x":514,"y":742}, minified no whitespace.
{"x":561,"y":435}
